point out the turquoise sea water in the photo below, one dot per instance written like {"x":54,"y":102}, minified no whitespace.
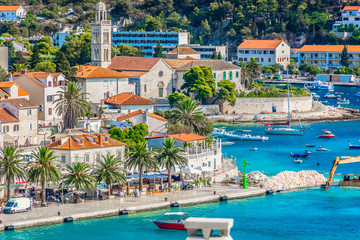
{"x":306,"y":215}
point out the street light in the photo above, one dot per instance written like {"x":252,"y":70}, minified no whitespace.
{"x":244,"y":179}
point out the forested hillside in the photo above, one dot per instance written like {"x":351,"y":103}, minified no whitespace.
{"x":208,"y":21}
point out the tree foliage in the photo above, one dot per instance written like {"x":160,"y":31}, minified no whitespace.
{"x":159,"y":51}
{"x":126,"y":50}
{"x":130,"y":135}
{"x":344,"y":57}
{"x":226,"y":91}
{"x":175,"y":97}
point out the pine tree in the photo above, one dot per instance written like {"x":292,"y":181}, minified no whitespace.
{"x":11,"y":53}
{"x":214,"y":56}
{"x":219,"y":56}
{"x":63,"y":65}
{"x":344,"y":57}
{"x":35,"y":57}
{"x":159,"y":51}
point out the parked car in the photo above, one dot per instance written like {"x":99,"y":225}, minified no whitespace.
{"x":17,"y":205}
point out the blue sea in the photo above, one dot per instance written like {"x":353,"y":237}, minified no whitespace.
{"x":306,"y":214}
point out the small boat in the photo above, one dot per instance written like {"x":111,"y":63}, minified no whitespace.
{"x":331,"y":96}
{"x":253,"y":149}
{"x":227,"y":143}
{"x":319,"y":85}
{"x":327,"y":134}
{"x":298,"y":161}
{"x":304,"y":155}
{"x":353,"y":146}
{"x":357,"y":94}
{"x":322,"y":149}
{"x":310,"y":145}
{"x":175,"y":224}
{"x":339,"y":93}
{"x":218,"y":132}
{"x":343,"y":102}
{"x":243,"y":130}
{"x":245,"y":137}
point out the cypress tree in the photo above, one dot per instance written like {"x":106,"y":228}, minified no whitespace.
{"x":214,"y":56}
{"x":219,"y":56}
{"x":63,"y":65}
{"x":345,"y":57}
{"x":159,"y":51}
{"x":35,"y":57}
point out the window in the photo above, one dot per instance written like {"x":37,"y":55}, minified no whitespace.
{"x":161,"y":92}
{"x":245,"y":59}
{"x":50,"y":111}
{"x":76,"y":158}
{"x":247,"y":51}
{"x":50,"y":98}
{"x":237,"y":74}
{"x":119,"y":154}
{"x":272,"y":52}
{"x":49,"y":83}
{"x":240,"y":59}
{"x":16,"y":128}
{"x":63,"y":158}
{"x":214,"y":75}
{"x":98,"y":155}
{"x":262,"y":59}
{"x":30,"y":126}
{"x":230,"y":75}
{"x":265,"y":52}
{"x":6,"y":129}
{"x":29,"y":112}
{"x":108,"y":153}
{"x":241,"y":51}
{"x":224,"y":75}
{"x":259,"y":52}
{"x":87,"y":157}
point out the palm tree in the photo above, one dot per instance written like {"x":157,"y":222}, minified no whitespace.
{"x":44,"y":170}
{"x":189,"y":114}
{"x":141,"y":158}
{"x":110,"y":171}
{"x":80,"y":176}
{"x":254,"y":69}
{"x":11,"y":166}
{"x":71,"y":104}
{"x":170,"y":157}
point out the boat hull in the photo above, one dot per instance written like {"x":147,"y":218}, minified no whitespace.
{"x":170,"y":225}
{"x":284,"y":131}
{"x":326,"y":137}
{"x":354,"y":146}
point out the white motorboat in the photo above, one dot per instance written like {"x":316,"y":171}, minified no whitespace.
{"x":227,"y":143}
{"x":218,"y":132}
{"x":322,"y":149}
{"x":253,"y":149}
{"x":298,"y":161}
{"x":244,"y":137}
{"x":319,"y":85}
{"x":343,"y":102}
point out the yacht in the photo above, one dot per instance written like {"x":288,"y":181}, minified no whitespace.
{"x":319,"y":85}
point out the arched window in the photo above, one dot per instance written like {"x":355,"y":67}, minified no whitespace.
{"x":230,"y":75}
{"x":224,"y":75}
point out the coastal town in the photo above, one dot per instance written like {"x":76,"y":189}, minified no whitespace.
{"x":195,"y":111}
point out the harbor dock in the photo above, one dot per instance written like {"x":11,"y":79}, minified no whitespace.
{"x":57,"y":213}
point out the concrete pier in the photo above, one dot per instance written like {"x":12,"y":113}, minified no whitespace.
{"x":92,"y":209}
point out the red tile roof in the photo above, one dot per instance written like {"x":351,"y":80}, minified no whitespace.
{"x":138,"y":112}
{"x":88,"y":71}
{"x":351,"y":8}
{"x":259,"y":44}
{"x":73,"y":142}
{"x":9,"y":84}
{"x":187,"y":137}
{"x":128,"y":99}
{"x":329,"y":48}
{"x":133,"y":63}
{"x":36,"y":76}
{"x":7,"y":117}
{"x":9,"y":8}
{"x":135,"y":74}
{"x":182,"y":51}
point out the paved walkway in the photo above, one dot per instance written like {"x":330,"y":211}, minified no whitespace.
{"x":95,"y":208}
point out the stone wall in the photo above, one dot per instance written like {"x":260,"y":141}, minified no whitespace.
{"x":262,"y":105}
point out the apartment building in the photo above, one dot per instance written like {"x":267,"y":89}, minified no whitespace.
{"x":43,"y":90}
{"x":12,"y":13}
{"x":349,"y":15}
{"x":266,"y":52}
{"x":327,"y":56}
{"x":147,"y":40}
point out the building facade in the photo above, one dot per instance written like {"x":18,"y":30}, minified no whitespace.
{"x":9,"y":90}
{"x":349,"y":15}
{"x":183,"y":53}
{"x":206,"y":51}
{"x":43,"y":90}
{"x":101,"y":37}
{"x":12,"y":13}
{"x":60,"y":38}
{"x":266,"y":52}
{"x":147,"y":40}
{"x":327,"y":56}
{"x":152,"y":76}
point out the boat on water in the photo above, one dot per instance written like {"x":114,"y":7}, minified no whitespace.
{"x":176,"y":221}
{"x":283,"y":128}
{"x":253,"y":149}
{"x":227,"y":143}
{"x":357,"y":94}
{"x":300,"y":155}
{"x":310,"y":145}
{"x":343,"y":102}
{"x":331,"y":96}
{"x":351,"y":146}
{"x":327,"y":134}
{"x":244,"y":137}
{"x":218,"y":132}
{"x":319,"y":85}
{"x":298,"y":161}
{"x":339,"y":93}
{"x":322,"y":149}
{"x":243,"y":130}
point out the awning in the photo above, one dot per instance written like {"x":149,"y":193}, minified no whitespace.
{"x":147,"y":175}
{"x":8,"y":138}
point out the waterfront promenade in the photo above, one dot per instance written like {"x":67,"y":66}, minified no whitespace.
{"x":97,"y":209}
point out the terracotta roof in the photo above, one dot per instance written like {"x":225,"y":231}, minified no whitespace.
{"x":73,"y":142}
{"x":138,"y":112}
{"x":21,"y":102}
{"x":259,"y":44}
{"x":4,"y":92}
{"x":55,"y":74}
{"x":88,"y":71}
{"x":6,"y":84}
{"x":182,"y":51}
{"x":176,"y":63}
{"x":133,"y":63}
{"x":128,"y":99}
{"x":189,"y":58}
{"x":187,"y":137}
{"x":329,"y":48}
{"x":6,"y":117}
{"x":216,"y":65}
{"x":9,"y":84}
{"x":9,"y":8}
{"x":135,"y":74}
{"x":351,"y":8}
{"x":22,"y":92}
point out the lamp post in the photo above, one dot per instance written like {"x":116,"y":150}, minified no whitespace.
{"x":245,"y":179}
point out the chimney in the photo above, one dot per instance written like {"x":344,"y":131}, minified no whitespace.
{"x":107,"y":94}
{"x":87,"y":126}
{"x":23,"y":71}
{"x":100,"y":140}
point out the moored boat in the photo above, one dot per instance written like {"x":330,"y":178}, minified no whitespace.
{"x":351,"y":146}
{"x":343,"y":102}
{"x":310,"y":145}
{"x":218,"y":132}
{"x":327,"y":134}
{"x":244,"y":137}
{"x":175,"y":224}
{"x":319,"y":85}
{"x":227,"y":143}
{"x":303,"y":155}
{"x":253,"y":149}
{"x":243,"y":130}
{"x":357,"y":94}
{"x":322,"y":149}
{"x":298,"y":161}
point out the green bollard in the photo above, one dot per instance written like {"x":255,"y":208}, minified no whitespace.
{"x":245,"y":179}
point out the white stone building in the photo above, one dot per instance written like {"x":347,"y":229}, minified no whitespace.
{"x":86,"y":148}
{"x":349,"y":15}
{"x":101,"y":37}
{"x":152,"y":76}
{"x":98,"y":83}
{"x":266,"y":52}
{"x":183,"y":53}
{"x":43,"y":90}
{"x":10,"y":90}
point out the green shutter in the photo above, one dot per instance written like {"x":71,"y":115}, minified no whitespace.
{"x":237,"y":74}
{"x":230,"y":75}
{"x":161,"y":92}
{"x":224,"y":75}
